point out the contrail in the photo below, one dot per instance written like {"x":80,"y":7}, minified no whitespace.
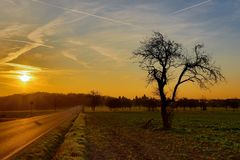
{"x":86,"y":13}
{"x":26,"y":42}
{"x":13,"y":55}
{"x":74,"y":58}
{"x":28,"y":67}
{"x":190,"y":7}
{"x":36,"y":38}
{"x":74,"y":20}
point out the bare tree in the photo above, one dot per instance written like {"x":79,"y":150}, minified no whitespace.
{"x":95,"y":99}
{"x":165,"y":62}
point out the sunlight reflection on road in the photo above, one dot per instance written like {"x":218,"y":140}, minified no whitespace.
{"x":15,"y":135}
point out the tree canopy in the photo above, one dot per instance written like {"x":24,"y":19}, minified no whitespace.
{"x":167,"y":61}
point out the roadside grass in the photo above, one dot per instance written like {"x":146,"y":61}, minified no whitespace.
{"x":46,"y":146}
{"x":73,"y":147}
{"x":195,"y":135}
{"x":12,"y":115}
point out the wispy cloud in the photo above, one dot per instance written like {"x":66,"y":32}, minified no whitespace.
{"x":12,"y":30}
{"x":25,"y":42}
{"x":105,"y":52}
{"x":74,"y":58}
{"x":13,"y":55}
{"x":13,"y":70}
{"x":190,"y":7}
{"x":75,"y":42}
{"x":70,"y":56}
{"x":75,"y":20}
{"x":25,"y":67}
{"x":49,"y":29}
{"x":46,"y":30}
{"x":37,"y":38}
{"x":87,"y":13}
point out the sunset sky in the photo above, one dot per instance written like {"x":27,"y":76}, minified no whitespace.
{"x":81,"y":45}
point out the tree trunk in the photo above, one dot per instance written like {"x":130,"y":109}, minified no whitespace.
{"x":166,"y":116}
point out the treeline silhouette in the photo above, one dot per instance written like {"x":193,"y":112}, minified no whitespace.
{"x":43,"y":100}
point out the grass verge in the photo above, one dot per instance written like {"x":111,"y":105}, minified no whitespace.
{"x":73,"y":147}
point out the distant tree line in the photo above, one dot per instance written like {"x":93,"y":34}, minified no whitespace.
{"x":42,"y":100}
{"x":204,"y":104}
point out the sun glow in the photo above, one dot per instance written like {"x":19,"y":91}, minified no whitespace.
{"x":24,"y":77}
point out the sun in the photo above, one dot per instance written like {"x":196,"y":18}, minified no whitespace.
{"x":25,"y":78}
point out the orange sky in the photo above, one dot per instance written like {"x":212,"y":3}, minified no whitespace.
{"x":82,"y":46}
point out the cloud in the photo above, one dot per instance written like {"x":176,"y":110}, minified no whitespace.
{"x":36,"y":36}
{"x":70,"y":56}
{"x":74,"y":58}
{"x":25,"y":42}
{"x":75,"y":20}
{"x":75,"y":42}
{"x":87,"y":13}
{"x":37,"y":39}
{"x":13,"y":55}
{"x":105,"y":52}
{"x":12,"y":70}
{"x":12,"y":30}
{"x":46,"y":30}
{"x":190,"y":7}
{"x":52,"y":27}
{"x":26,"y":67}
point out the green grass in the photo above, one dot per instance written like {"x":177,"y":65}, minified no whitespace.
{"x":220,"y":128}
{"x":73,"y":147}
{"x":195,"y":135}
{"x":46,"y":146}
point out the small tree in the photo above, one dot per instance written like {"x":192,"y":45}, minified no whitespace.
{"x":164,"y":61}
{"x":95,"y":99}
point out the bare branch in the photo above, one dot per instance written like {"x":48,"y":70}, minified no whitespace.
{"x":160,"y":56}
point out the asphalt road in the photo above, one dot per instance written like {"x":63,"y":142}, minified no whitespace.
{"x":17,"y":134}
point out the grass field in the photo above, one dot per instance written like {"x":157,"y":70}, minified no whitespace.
{"x":195,"y":135}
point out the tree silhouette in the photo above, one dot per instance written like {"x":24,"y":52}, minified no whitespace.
{"x":165,"y":62}
{"x":95,"y":99}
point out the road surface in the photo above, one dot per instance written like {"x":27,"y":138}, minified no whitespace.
{"x":17,"y":134}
